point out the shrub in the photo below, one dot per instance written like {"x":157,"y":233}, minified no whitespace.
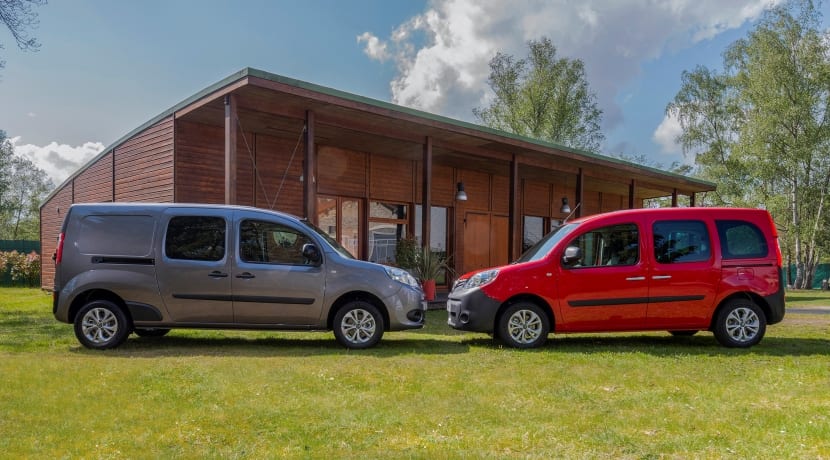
{"x":22,"y":269}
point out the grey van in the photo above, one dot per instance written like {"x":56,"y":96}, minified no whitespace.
{"x":147,"y":268}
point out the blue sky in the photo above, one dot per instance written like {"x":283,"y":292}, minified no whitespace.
{"x":105,"y":67}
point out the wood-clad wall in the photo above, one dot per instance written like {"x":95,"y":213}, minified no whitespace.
{"x":51,"y":220}
{"x":144,"y":165}
{"x":341,"y":172}
{"x":94,"y":185}
{"x":277,"y":168}
{"x":200,"y":163}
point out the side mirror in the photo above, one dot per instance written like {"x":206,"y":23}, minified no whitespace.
{"x":572,"y":255}
{"x":311,"y":253}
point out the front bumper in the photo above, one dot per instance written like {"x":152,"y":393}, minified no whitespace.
{"x":472,"y":310}
{"x":407,"y":309}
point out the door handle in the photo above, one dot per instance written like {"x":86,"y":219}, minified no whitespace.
{"x":217,"y":274}
{"x":245,"y":276}
{"x":661,"y":277}
{"x":636,"y":278}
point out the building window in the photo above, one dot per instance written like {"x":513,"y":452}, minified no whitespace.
{"x":534,"y":229}
{"x":387,"y":226}
{"x":339,"y":217}
{"x":438,"y":233}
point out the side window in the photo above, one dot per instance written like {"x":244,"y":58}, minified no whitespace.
{"x":271,"y":243}
{"x":609,"y":246}
{"x":195,"y":238}
{"x":678,"y":241}
{"x":741,"y":240}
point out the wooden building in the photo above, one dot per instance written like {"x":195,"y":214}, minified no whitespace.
{"x":362,"y":169}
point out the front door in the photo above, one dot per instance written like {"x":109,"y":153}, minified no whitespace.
{"x":194,"y":275}
{"x":272,"y":282}
{"x":485,"y":241}
{"x":607,"y":289}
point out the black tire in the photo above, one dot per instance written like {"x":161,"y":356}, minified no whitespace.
{"x":358,"y":325}
{"x":151,"y":332}
{"x":523,"y":325}
{"x":101,"y":324}
{"x":683,"y":333}
{"x":740,"y":324}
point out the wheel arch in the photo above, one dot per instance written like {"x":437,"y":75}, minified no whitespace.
{"x":746,"y":295}
{"x":357,"y":296}
{"x":544,"y":305}
{"x":97,"y":294}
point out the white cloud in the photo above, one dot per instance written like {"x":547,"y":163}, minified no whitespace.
{"x":58,"y":160}
{"x":374,"y":48}
{"x":442,"y":55}
{"x":666,"y":135}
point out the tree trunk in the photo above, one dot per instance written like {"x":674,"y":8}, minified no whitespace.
{"x":799,"y":257}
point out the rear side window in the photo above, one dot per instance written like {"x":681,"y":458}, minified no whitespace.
{"x":679,"y":241}
{"x":740,"y":239}
{"x":130,"y":236}
{"x":195,"y":238}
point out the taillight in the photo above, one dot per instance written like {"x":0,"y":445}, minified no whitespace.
{"x":777,"y":242}
{"x":59,"y":251}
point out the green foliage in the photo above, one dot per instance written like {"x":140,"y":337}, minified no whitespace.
{"x":430,"y":265}
{"x":430,"y":393}
{"x":760,"y":128}
{"x":406,"y":253}
{"x":543,"y":97}
{"x":21,"y":269}
{"x":22,"y":188}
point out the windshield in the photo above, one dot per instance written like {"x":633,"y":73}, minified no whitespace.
{"x":543,"y":247}
{"x":331,"y":241}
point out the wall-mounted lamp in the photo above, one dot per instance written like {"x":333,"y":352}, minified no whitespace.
{"x":461,"y":195}
{"x":565,"y":209}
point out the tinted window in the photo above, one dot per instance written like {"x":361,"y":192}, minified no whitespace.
{"x":195,"y":238}
{"x":741,"y":240}
{"x":680,"y":241}
{"x":614,"y":245}
{"x":130,"y":236}
{"x":271,"y":243}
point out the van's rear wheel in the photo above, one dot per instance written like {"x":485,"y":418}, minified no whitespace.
{"x":740,"y":324}
{"x":523,"y":325}
{"x":101,"y":324}
{"x":358,"y":324}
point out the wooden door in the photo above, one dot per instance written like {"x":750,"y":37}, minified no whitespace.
{"x":485,"y":241}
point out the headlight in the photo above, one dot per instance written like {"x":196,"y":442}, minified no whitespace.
{"x":402,"y":276}
{"x":480,"y":279}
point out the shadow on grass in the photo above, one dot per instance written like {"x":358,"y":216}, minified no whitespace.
{"x":701,"y":344}
{"x":172,"y":345}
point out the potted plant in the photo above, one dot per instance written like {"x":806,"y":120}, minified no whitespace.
{"x":428,"y":266}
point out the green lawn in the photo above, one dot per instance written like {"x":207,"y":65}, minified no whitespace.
{"x":433,"y":393}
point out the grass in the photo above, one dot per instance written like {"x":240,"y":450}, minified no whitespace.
{"x":433,"y":393}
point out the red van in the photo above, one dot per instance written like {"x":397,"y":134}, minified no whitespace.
{"x":680,"y":270}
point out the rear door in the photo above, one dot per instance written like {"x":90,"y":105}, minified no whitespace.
{"x":194,"y":275}
{"x":272,"y":282}
{"x":684,"y":277}
{"x":608,"y":288}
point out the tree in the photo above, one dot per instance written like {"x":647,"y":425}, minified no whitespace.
{"x":19,"y":16}
{"x":760,"y":128}
{"x":22,"y":188}
{"x":543,"y":97}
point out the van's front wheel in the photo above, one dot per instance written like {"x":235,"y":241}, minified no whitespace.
{"x":740,"y":324}
{"x":524,"y":325}
{"x":358,"y":324}
{"x":101,"y":324}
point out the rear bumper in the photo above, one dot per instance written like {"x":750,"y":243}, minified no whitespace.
{"x":777,"y":301}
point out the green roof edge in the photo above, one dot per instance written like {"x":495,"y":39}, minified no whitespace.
{"x":252,"y":72}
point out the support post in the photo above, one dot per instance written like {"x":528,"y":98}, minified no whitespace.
{"x":230,"y":148}
{"x":580,"y":192}
{"x":310,"y":171}
{"x":632,"y":193}
{"x":674,"y":198}
{"x":426,"y":193}
{"x":514,"y":231}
